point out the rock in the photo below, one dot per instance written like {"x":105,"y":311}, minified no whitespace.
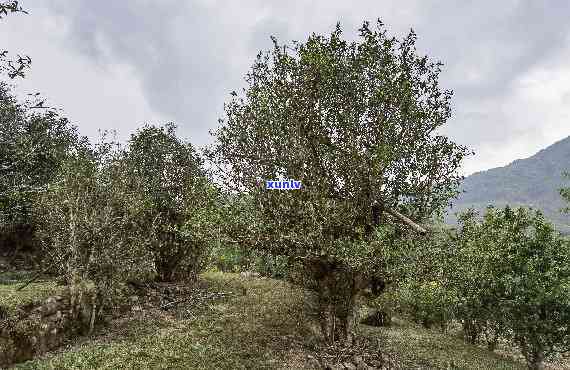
{"x":313,"y":362}
{"x":49,"y":308}
{"x":41,"y":328}
{"x":250,"y":274}
{"x":360,"y":364}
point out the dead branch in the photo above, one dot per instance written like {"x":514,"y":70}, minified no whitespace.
{"x":406,"y":220}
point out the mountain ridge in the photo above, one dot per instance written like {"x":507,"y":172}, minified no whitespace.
{"x":532,"y":182}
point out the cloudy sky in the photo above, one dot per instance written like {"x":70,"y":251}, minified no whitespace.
{"x":119,"y":64}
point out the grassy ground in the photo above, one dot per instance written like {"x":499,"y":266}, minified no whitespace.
{"x":261,"y":329}
{"x":10,"y":297}
{"x":415,"y":348}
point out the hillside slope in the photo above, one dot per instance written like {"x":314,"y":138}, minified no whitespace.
{"x":534,"y":182}
{"x":259,"y":323}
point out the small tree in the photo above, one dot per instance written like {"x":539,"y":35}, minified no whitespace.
{"x":472,"y":271}
{"x":32,"y":149}
{"x":180,"y":199}
{"x":424,"y":290}
{"x":515,"y":275}
{"x":90,"y":223}
{"x":356,"y":124}
{"x":539,"y":303}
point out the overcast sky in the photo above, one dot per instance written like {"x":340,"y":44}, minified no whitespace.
{"x":119,"y":64}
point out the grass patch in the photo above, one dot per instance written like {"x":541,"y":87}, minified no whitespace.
{"x":10,"y":297}
{"x":238,"y":332}
{"x":265,"y":328}
{"x":415,"y":347}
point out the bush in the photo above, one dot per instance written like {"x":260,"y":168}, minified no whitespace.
{"x":229,"y":259}
{"x":271,"y":266}
{"x":89,"y":224}
{"x":357,"y":123}
{"x":180,"y":203}
{"x":427,"y":304}
{"x":513,"y":277}
{"x":33,"y":147}
{"x":236,"y":259}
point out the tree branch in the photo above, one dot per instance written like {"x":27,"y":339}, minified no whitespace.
{"x":406,"y":220}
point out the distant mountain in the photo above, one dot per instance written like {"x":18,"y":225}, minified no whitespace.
{"x":533,"y":182}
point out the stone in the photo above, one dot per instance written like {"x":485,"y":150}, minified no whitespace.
{"x":349,"y":366}
{"x":313,"y":362}
{"x":250,"y":274}
{"x":334,"y":367}
{"x":41,"y":328}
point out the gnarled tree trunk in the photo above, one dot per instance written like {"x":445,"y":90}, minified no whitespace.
{"x":337,"y":290}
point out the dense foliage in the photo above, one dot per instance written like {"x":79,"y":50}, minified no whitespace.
{"x":356,"y":124}
{"x":114,"y":215}
{"x":180,"y":201}
{"x":511,"y":274}
{"x":33,"y":146}
{"x":90,"y":223}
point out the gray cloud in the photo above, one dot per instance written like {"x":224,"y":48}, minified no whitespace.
{"x":189,"y":55}
{"x":178,"y":53}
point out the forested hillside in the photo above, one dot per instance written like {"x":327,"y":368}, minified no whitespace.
{"x":534,"y":182}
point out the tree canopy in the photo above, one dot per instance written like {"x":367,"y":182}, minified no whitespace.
{"x":356,"y":123}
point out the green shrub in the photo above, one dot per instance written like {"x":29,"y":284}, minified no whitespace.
{"x":236,"y":259}
{"x":427,"y":304}
{"x":513,"y":277}
{"x":180,"y":202}
{"x":33,"y":146}
{"x":271,"y":266}
{"x":356,"y":122}
{"x":229,"y":259}
{"x":89,"y":224}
